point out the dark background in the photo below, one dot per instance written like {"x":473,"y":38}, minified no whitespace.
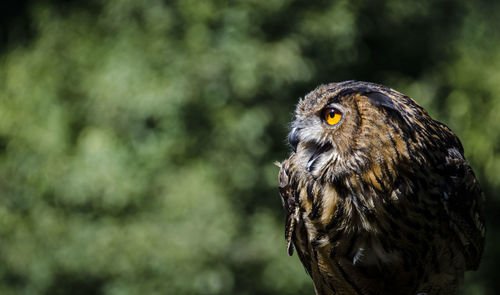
{"x":137,"y":138}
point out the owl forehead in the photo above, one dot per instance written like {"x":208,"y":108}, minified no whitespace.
{"x":317,"y":99}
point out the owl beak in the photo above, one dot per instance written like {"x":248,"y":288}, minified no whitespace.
{"x":293,"y":139}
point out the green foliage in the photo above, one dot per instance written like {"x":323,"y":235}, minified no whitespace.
{"x":137,"y":138}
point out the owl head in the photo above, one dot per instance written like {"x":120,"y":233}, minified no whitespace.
{"x":343,"y":128}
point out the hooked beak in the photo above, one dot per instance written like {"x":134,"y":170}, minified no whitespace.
{"x":294,"y":139}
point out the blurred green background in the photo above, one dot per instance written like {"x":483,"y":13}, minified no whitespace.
{"x":137,"y":138}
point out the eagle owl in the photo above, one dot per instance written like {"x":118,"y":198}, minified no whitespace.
{"x":378,"y":196}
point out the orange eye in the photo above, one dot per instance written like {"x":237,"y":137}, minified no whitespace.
{"x":332,"y":116}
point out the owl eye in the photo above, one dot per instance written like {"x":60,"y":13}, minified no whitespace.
{"x":332,"y":116}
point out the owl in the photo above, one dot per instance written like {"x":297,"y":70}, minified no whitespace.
{"x":378,"y":196}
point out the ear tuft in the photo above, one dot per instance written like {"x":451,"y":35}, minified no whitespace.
{"x":384,"y":101}
{"x":380,"y":99}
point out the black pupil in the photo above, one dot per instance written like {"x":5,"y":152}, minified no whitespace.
{"x":332,"y":113}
